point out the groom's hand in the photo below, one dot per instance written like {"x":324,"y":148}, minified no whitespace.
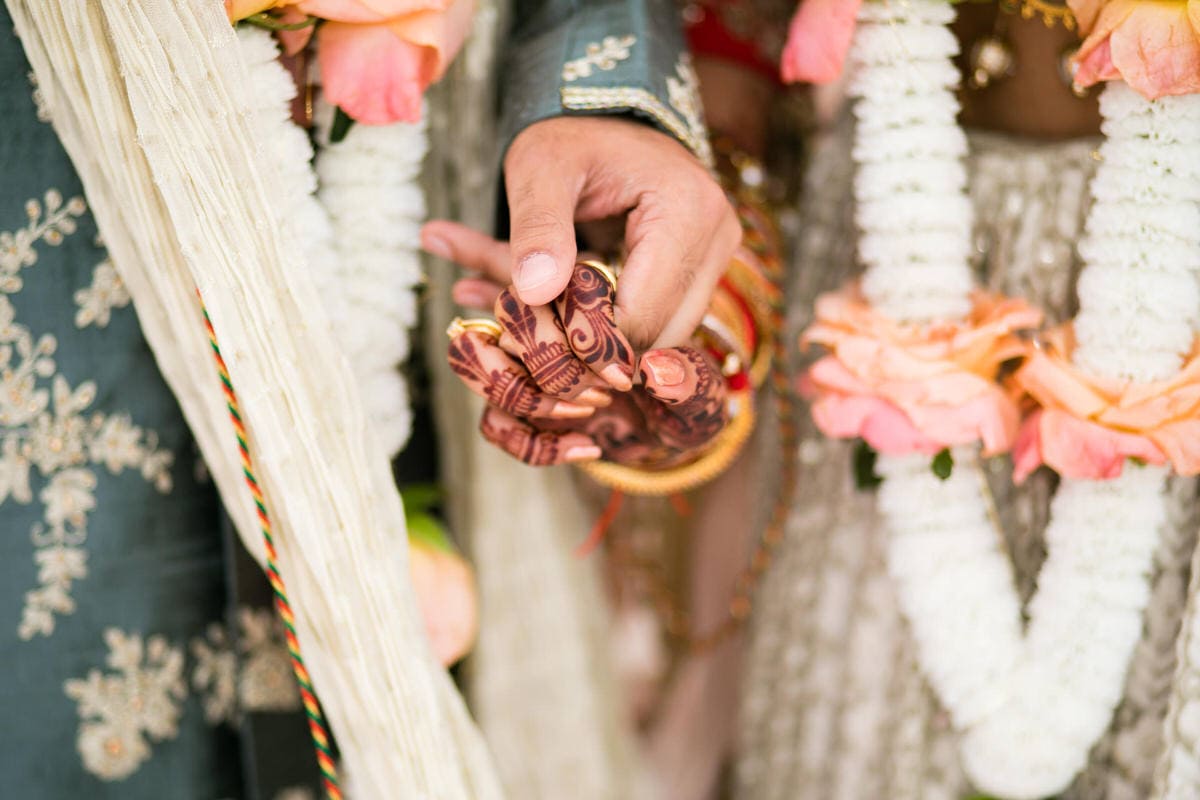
{"x":680,"y":230}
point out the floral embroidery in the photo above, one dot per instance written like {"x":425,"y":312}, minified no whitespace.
{"x":266,"y":682}
{"x":683,"y":92}
{"x":215,"y":674}
{"x":45,"y":427}
{"x":263,"y":681}
{"x":98,"y":300}
{"x":16,"y":249}
{"x":122,"y":710}
{"x":603,"y":55}
{"x":39,"y":99}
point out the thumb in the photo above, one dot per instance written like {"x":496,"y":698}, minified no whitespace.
{"x":542,"y":213}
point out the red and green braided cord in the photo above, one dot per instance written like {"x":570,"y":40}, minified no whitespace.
{"x":316,"y":722}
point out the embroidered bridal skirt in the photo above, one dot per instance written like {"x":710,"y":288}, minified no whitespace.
{"x":834,"y":705}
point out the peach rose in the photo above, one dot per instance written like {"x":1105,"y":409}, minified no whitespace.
{"x":445,"y":587}
{"x":378,"y":57}
{"x":916,"y":388}
{"x":1153,"y":45}
{"x":818,"y":40}
{"x":1088,"y":426}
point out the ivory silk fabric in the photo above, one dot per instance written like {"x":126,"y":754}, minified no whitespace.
{"x":834,"y":705}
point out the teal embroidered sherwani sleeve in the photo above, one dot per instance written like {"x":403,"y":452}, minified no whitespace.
{"x":566,"y":57}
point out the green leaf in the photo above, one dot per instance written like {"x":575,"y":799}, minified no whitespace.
{"x":428,"y":530}
{"x":342,"y":123}
{"x":271,"y":23}
{"x":420,"y":496}
{"x":943,"y":464}
{"x":865,"y":477}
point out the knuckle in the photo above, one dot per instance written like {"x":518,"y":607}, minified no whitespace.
{"x":536,"y":221}
{"x":524,"y":148}
{"x":490,"y":427}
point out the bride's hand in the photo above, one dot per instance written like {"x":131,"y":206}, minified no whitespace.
{"x":559,"y":381}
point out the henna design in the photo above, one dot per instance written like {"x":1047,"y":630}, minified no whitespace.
{"x":495,"y":377}
{"x":638,"y":428}
{"x":519,"y":440}
{"x":539,"y":444}
{"x":691,"y":423}
{"x":621,"y":432}
{"x":551,"y":364}
{"x":586,"y":310}
{"x":513,"y":393}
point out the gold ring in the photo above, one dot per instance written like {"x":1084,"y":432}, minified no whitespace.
{"x":604,"y":269}
{"x":488,"y":327}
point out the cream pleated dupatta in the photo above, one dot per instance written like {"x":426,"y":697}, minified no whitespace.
{"x":149,"y":99}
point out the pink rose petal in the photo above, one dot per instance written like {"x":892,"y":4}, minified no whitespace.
{"x":1027,"y":449}
{"x":445,"y":588}
{"x":1079,"y":449}
{"x":367,"y":11}
{"x":818,"y":40}
{"x":372,"y":75}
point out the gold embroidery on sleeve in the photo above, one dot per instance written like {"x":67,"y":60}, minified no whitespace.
{"x":683,"y":118}
{"x":603,"y":55}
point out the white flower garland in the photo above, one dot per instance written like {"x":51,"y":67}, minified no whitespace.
{"x":370,"y":187}
{"x":360,"y":230}
{"x":1030,"y":704}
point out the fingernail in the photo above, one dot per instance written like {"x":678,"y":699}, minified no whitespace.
{"x":595,"y":397}
{"x":534,"y":270}
{"x":565,"y":410}
{"x":437,"y":246}
{"x":617,"y":377}
{"x":667,"y":370}
{"x":575,"y":455}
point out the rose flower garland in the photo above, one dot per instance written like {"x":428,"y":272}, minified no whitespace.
{"x":914,"y":354}
{"x":377,"y":57}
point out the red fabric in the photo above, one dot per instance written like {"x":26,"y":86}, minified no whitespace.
{"x":708,"y":37}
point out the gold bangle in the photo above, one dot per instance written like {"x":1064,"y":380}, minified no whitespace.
{"x":488,"y":327}
{"x":607,"y":272}
{"x":659,"y":483}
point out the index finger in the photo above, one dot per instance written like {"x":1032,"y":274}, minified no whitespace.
{"x":585,"y":310}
